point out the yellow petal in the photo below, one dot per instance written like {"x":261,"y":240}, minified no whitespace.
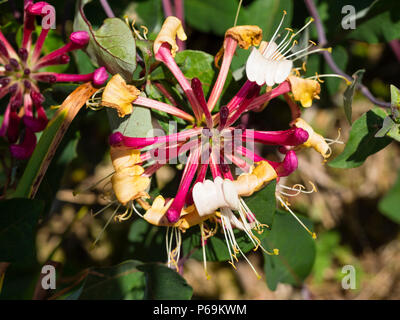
{"x":119,"y":95}
{"x":124,"y":158}
{"x":246,"y":36}
{"x":248,"y":183}
{"x":156,"y":214}
{"x":304,"y":90}
{"x":171,"y":29}
{"x":265,"y":173}
{"x":190,"y":217}
{"x":315,"y":140}
{"x":128,"y":184}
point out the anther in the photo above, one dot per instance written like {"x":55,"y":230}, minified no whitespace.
{"x":223,"y":115}
{"x":23,"y":54}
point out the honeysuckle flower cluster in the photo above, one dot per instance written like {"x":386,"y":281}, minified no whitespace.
{"x":21,"y":71}
{"x":214,"y":141}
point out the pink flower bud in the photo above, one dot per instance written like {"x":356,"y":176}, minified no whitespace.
{"x":79,"y":38}
{"x":100,"y":76}
{"x":37,"y":8}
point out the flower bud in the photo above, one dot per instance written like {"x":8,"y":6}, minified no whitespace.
{"x":79,"y":38}
{"x":100,"y":76}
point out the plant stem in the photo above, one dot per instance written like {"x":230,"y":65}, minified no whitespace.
{"x":107,"y":9}
{"x":329,"y":59}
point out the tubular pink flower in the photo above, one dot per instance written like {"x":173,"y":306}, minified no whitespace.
{"x":230,"y":48}
{"x":13,"y":128}
{"x":174,"y":211}
{"x":62,"y":59}
{"x":29,"y":24}
{"x":166,"y":93}
{"x":35,"y":124}
{"x":237,"y":99}
{"x":198,"y":91}
{"x":19,"y":77}
{"x":39,"y":44}
{"x":78,"y":40}
{"x":157,"y":105}
{"x":99,"y":76}
{"x":200,"y":178}
{"x":24,"y":149}
{"x":282,"y":88}
{"x":6,"y":120}
{"x":3,"y":52}
{"x":10,"y":50}
{"x":252,"y":93}
{"x":226,"y":170}
{"x":249,"y":154}
{"x":118,"y":139}
{"x":214,"y":167}
{"x":287,"y":166}
{"x":164,"y":55}
{"x":239,"y":162}
{"x":288,"y":137}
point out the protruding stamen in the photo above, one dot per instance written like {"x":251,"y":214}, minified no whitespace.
{"x":313,"y":234}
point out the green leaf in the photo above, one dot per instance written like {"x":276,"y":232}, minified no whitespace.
{"x":380,"y":22}
{"x":163,"y":283}
{"x":121,"y":282}
{"x":218,"y":16}
{"x":18,"y":220}
{"x":390,"y":204}
{"x":137,"y":124}
{"x":394,"y":132}
{"x":146,"y":242}
{"x":349,"y":94}
{"x":112,"y":45}
{"x":267,"y":15}
{"x":395,"y":102}
{"x":296,"y":251}
{"x":263,"y":203}
{"x":388,"y":124}
{"x":376,"y":20}
{"x":362,"y":142}
{"x":132,"y":280}
{"x":210,"y":15}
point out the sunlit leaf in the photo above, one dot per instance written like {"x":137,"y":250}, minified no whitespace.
{"x":390,"y":204}
{"x":112,"y":45}
{"x":296,"y":251}
{"x":362,"y":142}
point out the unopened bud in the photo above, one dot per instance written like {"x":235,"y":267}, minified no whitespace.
{"x":79,"y":38}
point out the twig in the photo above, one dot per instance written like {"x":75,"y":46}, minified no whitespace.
{"x":180,"y":14}
{"x":167,"y":8}
{"x":107,"y":9}
{"x":329,"y":59}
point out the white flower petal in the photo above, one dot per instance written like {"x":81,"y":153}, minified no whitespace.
{"x":198,"y":199}
{"x":255,"y":66}
{"x":270,"y":73}
{"x":270,"y":50}
{"x":230,"y":194}
{"x":283,"y":71}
